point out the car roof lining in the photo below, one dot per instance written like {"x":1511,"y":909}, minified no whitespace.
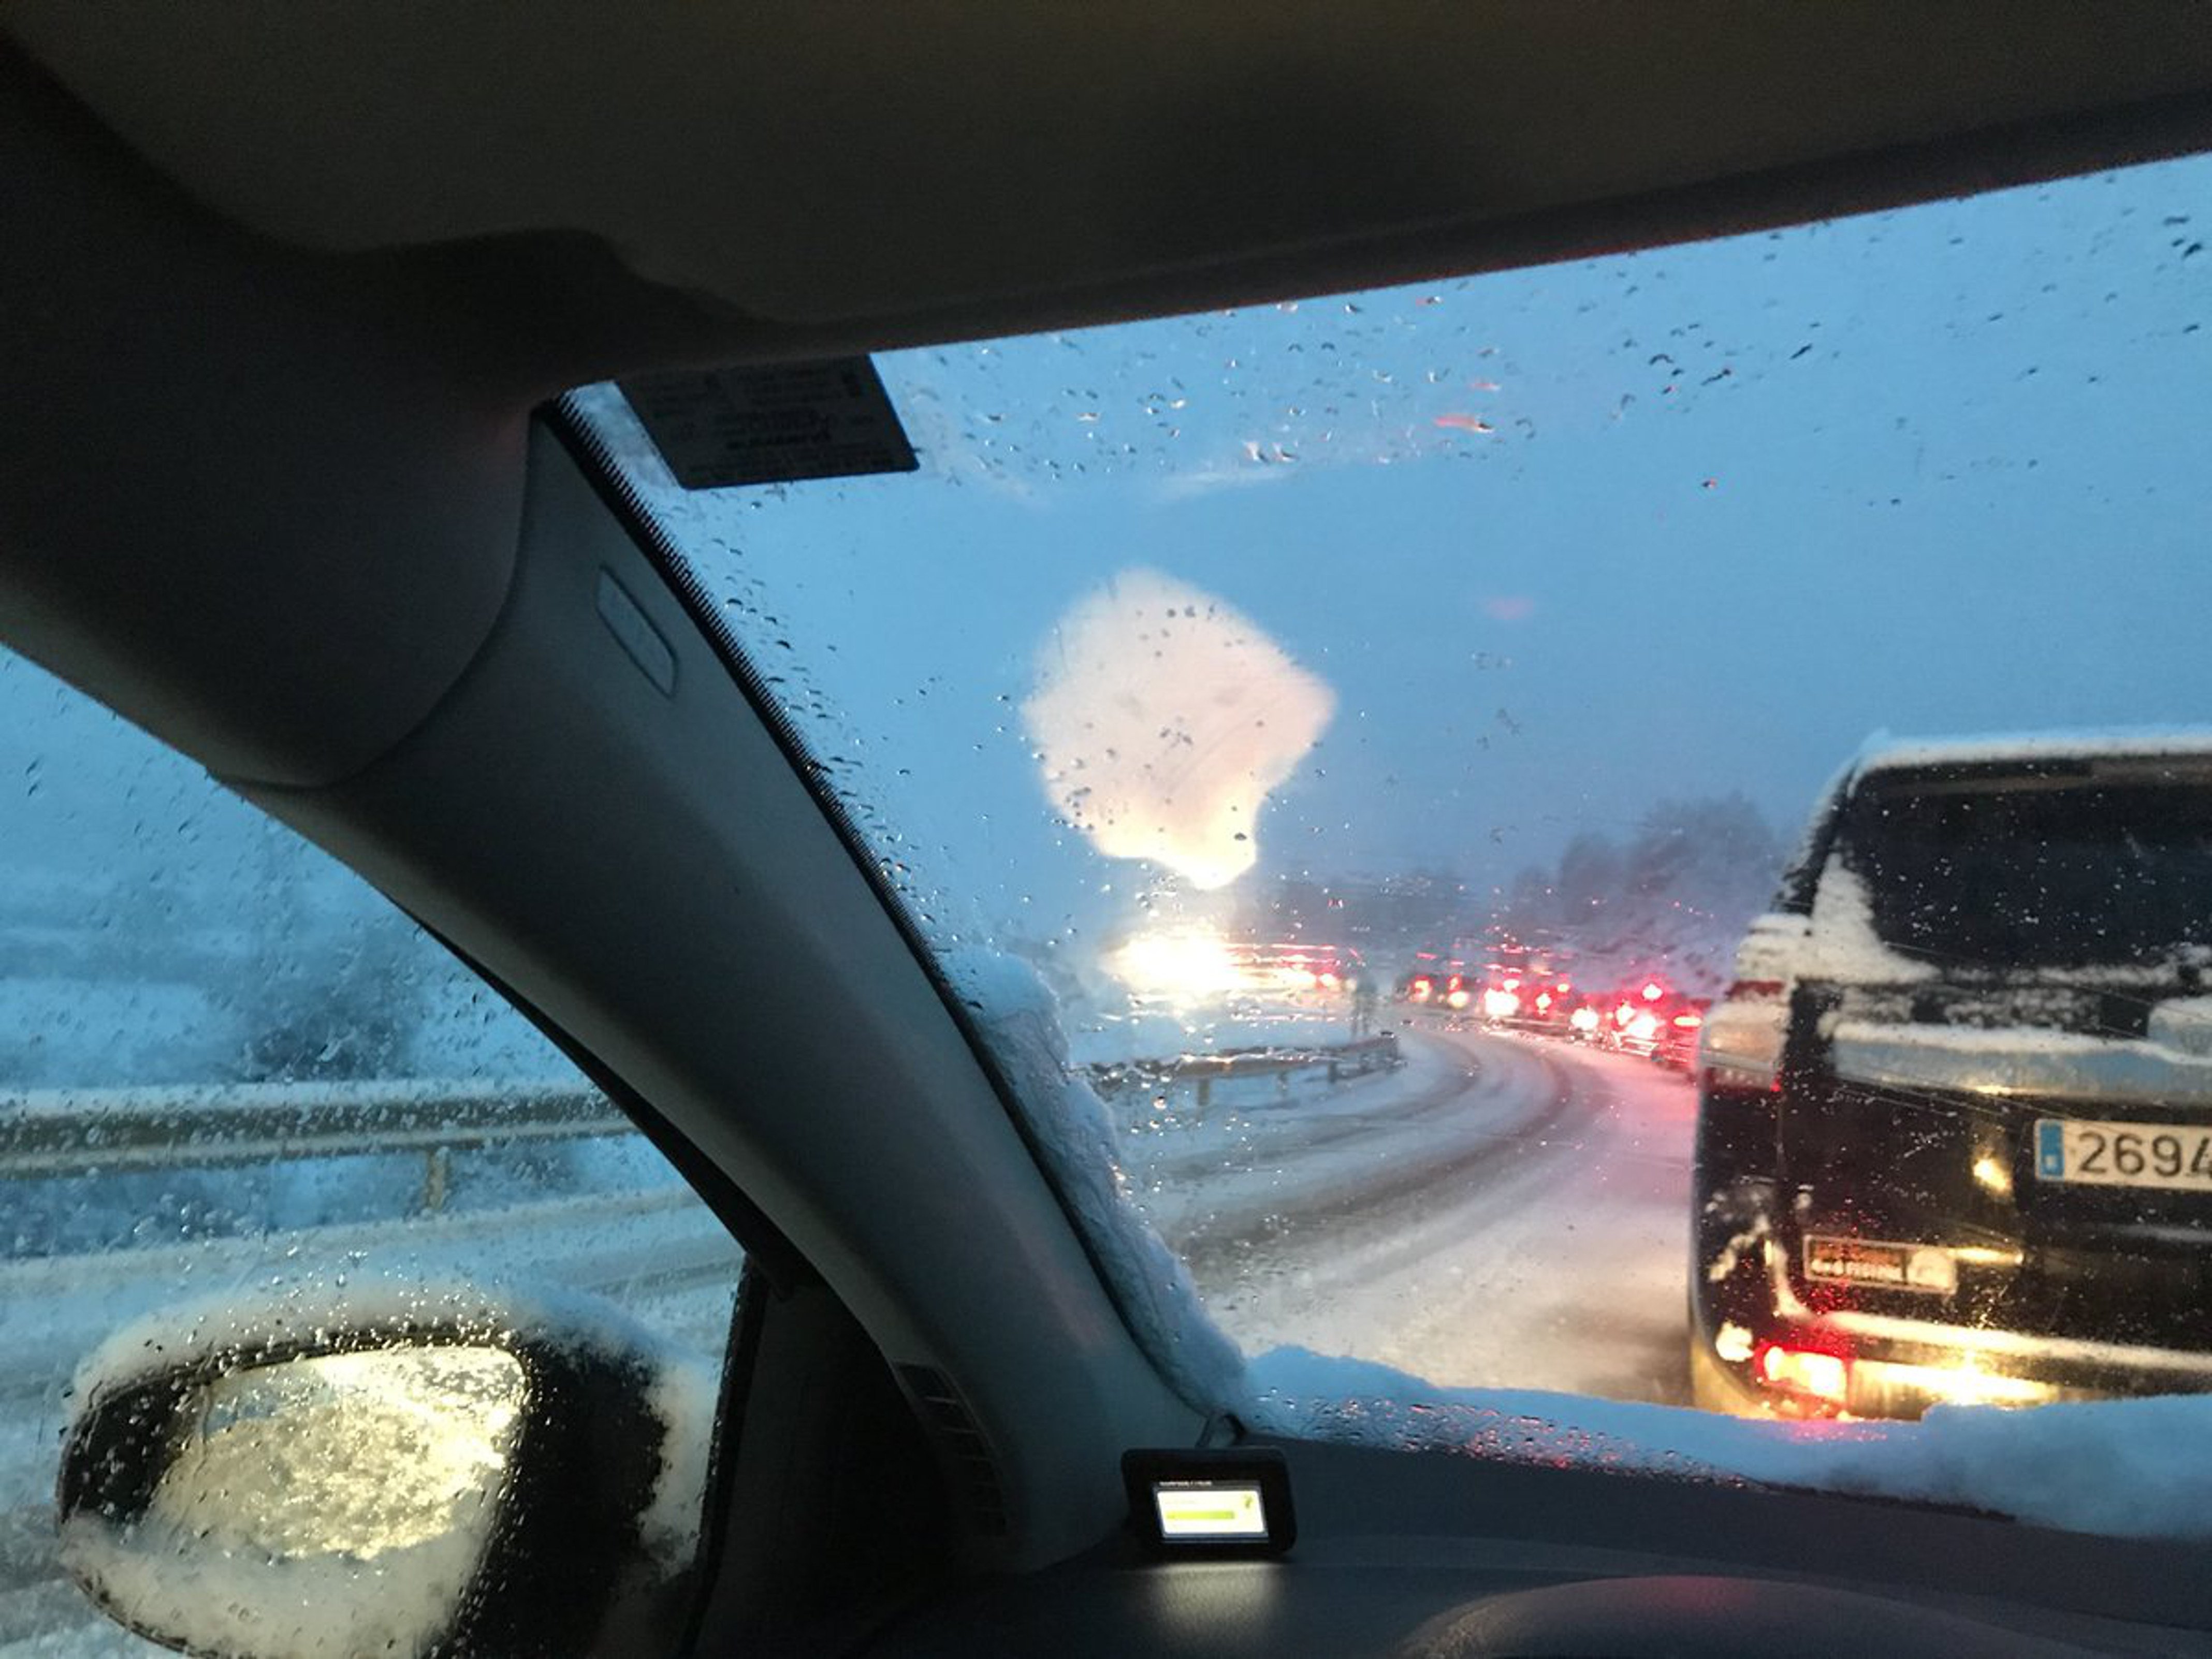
{"x":827,"y":182}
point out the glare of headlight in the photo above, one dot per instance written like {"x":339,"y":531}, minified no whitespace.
{"x":1645,"y":1027}
{"x":1500,"y":1004}
{"x":1187,"y":963}
{"x":1825,"y":1376}
{"x":1583,"y":1019}
{"x":1993,"y":1175}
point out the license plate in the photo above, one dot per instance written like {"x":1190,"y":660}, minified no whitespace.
{"x":2169,"y":1155}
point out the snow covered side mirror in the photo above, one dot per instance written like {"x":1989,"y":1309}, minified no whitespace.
{"x":437,"y":1474}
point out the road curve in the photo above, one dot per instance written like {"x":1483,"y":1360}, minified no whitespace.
{"x":1515,"y":1217}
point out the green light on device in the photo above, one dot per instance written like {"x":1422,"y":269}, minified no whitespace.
{"x":1209,"y":1509}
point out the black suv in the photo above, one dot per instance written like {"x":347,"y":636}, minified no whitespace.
{"x":1954,"y":1127}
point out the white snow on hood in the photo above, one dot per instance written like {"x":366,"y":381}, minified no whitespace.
{"x":2129,"y":1469}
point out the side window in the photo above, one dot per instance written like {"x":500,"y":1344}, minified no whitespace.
{"x":243,"y":1100}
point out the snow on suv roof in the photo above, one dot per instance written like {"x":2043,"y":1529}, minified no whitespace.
{"x":1881,"y":752}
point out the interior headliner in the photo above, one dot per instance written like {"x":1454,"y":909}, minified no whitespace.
{"x":846,"y":177}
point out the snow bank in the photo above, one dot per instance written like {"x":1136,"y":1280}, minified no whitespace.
{"x":1075,"y":1135}
{"x":2139,"y":1469}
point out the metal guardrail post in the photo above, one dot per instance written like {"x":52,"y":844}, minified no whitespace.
{"x":437,"y":1171}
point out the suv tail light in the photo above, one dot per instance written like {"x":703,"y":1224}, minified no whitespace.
{"x":1805,"y":1372}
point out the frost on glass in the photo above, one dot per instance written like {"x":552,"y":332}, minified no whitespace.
{"x":229,"y":1071}
{"x":1383,"y":730}
{"x":332,"y":1504}
{"x":353,"y":1469}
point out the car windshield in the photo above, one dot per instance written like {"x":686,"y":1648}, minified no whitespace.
{"x":1341,"y":753}
{"x":2030,"y":873}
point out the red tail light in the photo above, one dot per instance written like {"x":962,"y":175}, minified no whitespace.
{"x":1689,"y":1022}
{"x":1823,"y":1376}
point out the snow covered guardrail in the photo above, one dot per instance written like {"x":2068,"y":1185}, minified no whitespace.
{"x":46,"y":1134}
{"x":1340,"y":1059}
{"x":50,"y":1133}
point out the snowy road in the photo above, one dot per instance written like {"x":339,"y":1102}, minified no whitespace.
{"x":1502,"y":1212}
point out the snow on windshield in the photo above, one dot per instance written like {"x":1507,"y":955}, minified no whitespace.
{"x":1366,"y":727}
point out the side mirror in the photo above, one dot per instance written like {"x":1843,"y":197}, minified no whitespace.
{"x":417,"y":1472}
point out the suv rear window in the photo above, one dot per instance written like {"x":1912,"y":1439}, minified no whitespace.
{"x":2035,"y":871}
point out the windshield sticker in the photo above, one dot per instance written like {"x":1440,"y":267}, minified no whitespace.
{"x":771,"y":423}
